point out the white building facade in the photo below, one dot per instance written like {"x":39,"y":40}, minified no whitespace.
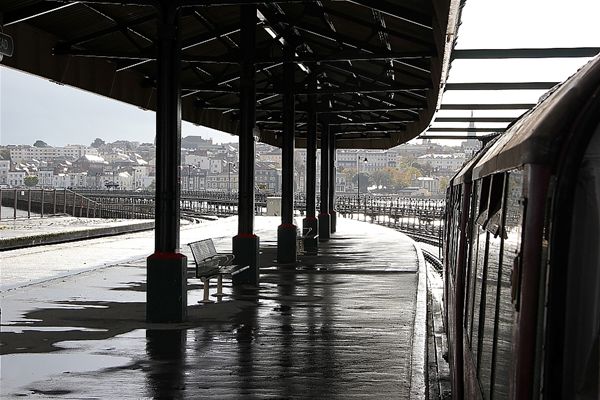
{"x":4,"y":168}
{"x":15,"y":178}
{"x":24,"y":153}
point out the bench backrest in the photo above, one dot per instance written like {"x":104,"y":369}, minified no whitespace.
{"x":203,"y":249}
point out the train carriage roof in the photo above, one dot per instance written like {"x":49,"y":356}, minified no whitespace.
{"x":536,"y":138}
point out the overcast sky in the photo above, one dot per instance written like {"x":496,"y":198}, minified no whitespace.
{"x":518,"y":24}
{"x":32,"y":108}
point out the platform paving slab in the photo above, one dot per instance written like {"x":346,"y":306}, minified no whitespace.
{"x":335,"y":326}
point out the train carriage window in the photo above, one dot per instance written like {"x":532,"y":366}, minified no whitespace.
{"x":513,"y":216}
{"x":482,"y":250}
{"x":493,"y":223}
{"x":481,"y":236}
{"x":456,"y":202}
{"x":448,"y":228}
{"x":459,"y":204}
{"x":451,"y":227}
{"x":490,"y":285}
{"x":469,"y":197}
{"x":472,"y":263}
{"x":489,"y":228}
{"x":482,"y":216}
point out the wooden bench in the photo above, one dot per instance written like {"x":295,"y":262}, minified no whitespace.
{"x":209,"y":263}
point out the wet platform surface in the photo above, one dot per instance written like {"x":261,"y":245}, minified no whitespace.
{"x":339,"y":325}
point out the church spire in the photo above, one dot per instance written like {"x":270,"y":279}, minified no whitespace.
{"x":471,"y":128}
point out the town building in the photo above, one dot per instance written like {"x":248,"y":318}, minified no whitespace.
{"x":196,"y":142}
{"x":16,"y":178}
{"x":267,"y":177}
{"x":90,"y":163}
{"x":442,"y":162}
{"x":432,"y":185}
{"x":45,"y":176}
{"x":273,"y":157}
{"x":4,"y":168}
{"x":223,"y":182}
{"x":22,"y":153}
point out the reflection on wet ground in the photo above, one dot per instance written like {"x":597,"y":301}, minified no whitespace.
{"x":337,"y":325}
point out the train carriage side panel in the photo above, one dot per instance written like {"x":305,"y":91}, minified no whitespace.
{"x":453,"y":277}
{"x":488,"y":356}
{"x":581,"y":360}
{"x":456,"y":245}
{"x":512,"y":221}
{"x":472,"y":309}
{"x":490,"y":282}
{"x":572,"y":359}
{"x":533,"y":143}
{"x":529,"y":276}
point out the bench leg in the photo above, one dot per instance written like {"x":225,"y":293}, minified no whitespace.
{"x":205,"y":284}
{"x":219,"y":293}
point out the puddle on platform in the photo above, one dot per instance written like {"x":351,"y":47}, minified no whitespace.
{"x":76,"y":306}
{"x":21,"y":329}
{"x":19,"y":371}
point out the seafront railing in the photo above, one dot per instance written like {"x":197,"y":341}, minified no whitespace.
{"x":28,"y":203}
{"x":420,"y":218}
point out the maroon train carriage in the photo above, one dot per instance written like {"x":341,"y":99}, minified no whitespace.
{"x":455,"y":236}
{"x":522,"y":254}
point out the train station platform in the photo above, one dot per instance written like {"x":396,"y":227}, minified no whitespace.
{"x":349,"y":323}
{"x":26,"y":232}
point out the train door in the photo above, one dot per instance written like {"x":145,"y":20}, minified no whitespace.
{"x":489,"y":312}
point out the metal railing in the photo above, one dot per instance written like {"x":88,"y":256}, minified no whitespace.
{"x":28,"y":203}
{"x":193,"y":204}
{"x":420,"y":218}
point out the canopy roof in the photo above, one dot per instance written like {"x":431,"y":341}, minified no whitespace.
{"x":539,"y":135}
{"x":379,"y":64}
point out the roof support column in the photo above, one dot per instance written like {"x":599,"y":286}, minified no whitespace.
{"x":246,"y":243}
{"x":310,"y":224}
{"x":286,"y":232}
{"x":166,"y":295}
{"x":332,"y":172}
{"x":324,"y":217}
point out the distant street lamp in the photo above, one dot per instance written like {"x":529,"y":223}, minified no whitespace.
{"x":358,"y":174}
{"x":229,"y":177}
